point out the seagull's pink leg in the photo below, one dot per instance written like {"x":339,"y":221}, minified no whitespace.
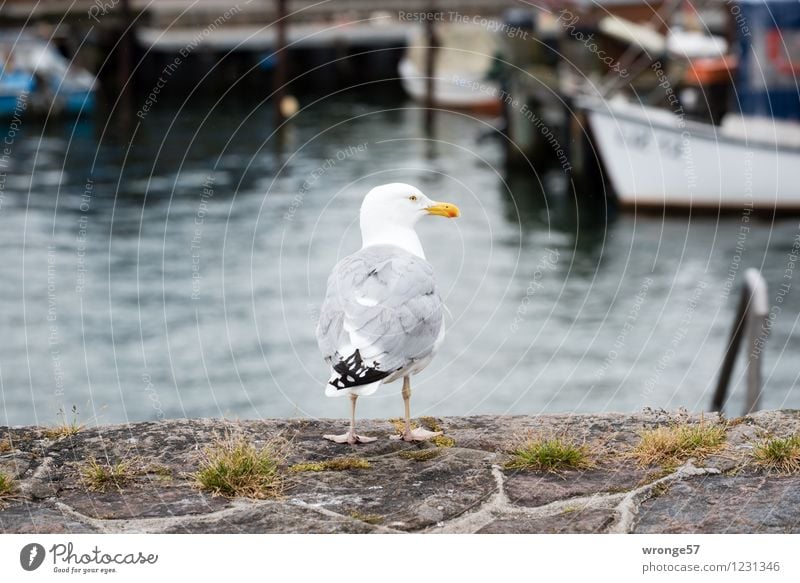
{"x":409,"y":434}
{"x":351,"y":436}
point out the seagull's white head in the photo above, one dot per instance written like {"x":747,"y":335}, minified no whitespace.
{"x":390,"y":211}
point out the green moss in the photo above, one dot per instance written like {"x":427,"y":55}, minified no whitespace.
{"x":781,"y":455}
{"x":443,"y":441}
{"x":400,"y":425}
{"x":97,"y":476}
{"x":66,"y":427}
{"x":234,"y":467}
{"x":420,"y":455}
{"x":7,"y":486}
{"x":333,"y":465}
{"x":672,"y":445}
{"x":368,"y":518}
{"x":551,"y":454}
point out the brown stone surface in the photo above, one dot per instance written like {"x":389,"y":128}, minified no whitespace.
{"x":463,"y":488}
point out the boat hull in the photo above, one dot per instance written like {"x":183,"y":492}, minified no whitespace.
{"x":655,"y":159}
{"x":456,"y":91}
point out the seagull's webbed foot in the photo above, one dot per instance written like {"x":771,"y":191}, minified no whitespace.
{"x":350,"y":437}
{"x":417,"y":434}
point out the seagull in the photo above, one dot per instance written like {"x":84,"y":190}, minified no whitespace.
{"x":381,"y":319}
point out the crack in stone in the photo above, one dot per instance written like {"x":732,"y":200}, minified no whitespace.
{"x":476,"y":477}
{"x":625,"y":504}
{"x":628,"y":508}
{"x":487,"y":511}
{"x":68,"y":510}
{"x":331,"y":514}
{"x":494,"y":507}
{"x":160,"y":524}
{"x":498,"y":506}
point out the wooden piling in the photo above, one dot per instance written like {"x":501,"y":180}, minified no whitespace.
{"x":430,"y":69}
{"x":282,"y":65}
{"x":125,"y":63}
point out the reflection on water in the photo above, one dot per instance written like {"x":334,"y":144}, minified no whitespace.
{"x":179,"y":273}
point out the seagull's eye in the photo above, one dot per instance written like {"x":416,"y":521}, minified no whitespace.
{"x":413,"y":197}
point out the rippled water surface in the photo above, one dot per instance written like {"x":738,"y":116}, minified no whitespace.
{"x":179,"y":273}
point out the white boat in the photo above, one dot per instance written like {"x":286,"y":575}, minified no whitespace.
{"x":462,"y":61}
{"x":657,"y":159}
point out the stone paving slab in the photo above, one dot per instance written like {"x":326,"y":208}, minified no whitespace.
{"x":725,"y":504}
{"x":460,"y":485}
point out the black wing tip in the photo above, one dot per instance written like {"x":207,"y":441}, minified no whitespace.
{"x":353,"y":372}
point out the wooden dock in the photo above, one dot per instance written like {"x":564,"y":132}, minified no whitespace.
{"x":187,"y":13}
{"x":258,"y":38}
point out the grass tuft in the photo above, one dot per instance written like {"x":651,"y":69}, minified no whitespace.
{"x":67,"y":427}
{"x":338,"y":464}
{"x":674,"y":444}
{"x":7,"y":486}
{"x":5,"y":445}
{"x":780,"y":455}
{"x":548,"y":454}
{"x":420,"y":455}
{"x":234,"y":467}
{"x":97,"y":476}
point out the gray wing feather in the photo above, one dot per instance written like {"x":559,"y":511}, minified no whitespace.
{"x":383,"y":302}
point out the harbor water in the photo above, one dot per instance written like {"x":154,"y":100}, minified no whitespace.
{"x":175,"y":269}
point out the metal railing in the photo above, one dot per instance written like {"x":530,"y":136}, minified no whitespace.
{"x":751,"y":321}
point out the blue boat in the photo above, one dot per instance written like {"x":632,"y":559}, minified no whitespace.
{"x":35,"y":77}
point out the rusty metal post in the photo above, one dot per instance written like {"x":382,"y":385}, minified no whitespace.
{"x":751,"y":315}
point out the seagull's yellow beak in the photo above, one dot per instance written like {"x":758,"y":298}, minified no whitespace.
{"x":444,"y":209}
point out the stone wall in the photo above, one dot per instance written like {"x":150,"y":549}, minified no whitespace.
{"x":460,"y":485}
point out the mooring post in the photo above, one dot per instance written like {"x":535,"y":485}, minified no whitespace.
{"x":125,"y":63}
{"x":430,"y":67}
{"x":751,"y":315}
{"x":281,"y":66}
{"x":757,"y":331}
